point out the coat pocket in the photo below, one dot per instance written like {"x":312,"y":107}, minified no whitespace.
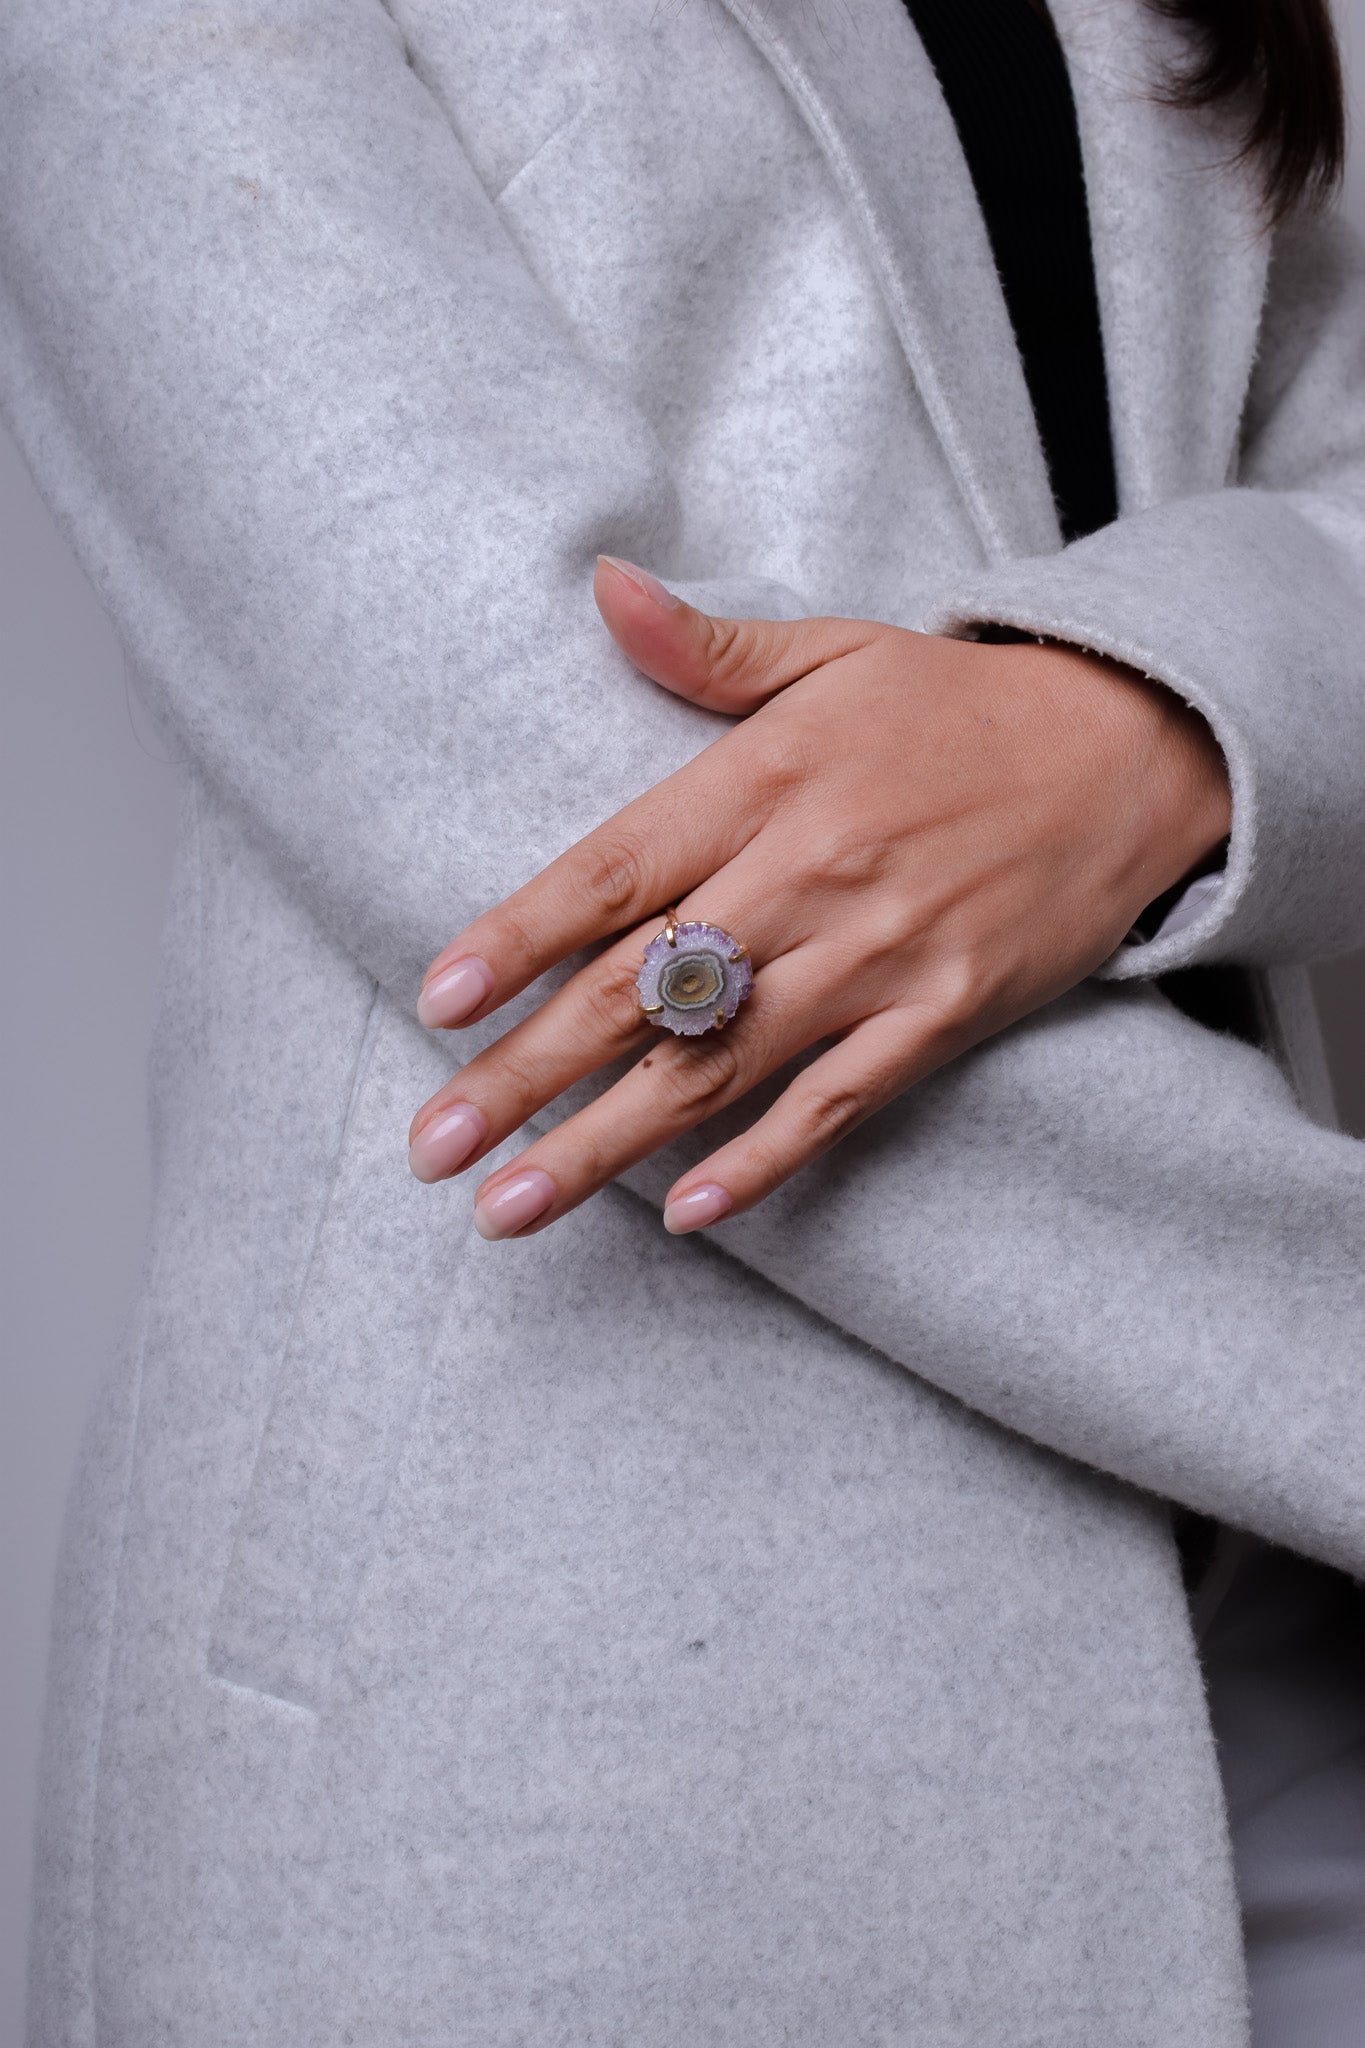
{"x":348,"y":1386}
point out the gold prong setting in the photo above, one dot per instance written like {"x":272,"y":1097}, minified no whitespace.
{"x":694,"y":977}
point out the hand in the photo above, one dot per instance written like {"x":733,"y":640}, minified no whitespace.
{"x":921,"y":840}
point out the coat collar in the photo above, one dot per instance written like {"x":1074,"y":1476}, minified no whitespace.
{"x":1180,"y":265}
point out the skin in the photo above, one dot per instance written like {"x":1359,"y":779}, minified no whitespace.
{"x":920,"y":839}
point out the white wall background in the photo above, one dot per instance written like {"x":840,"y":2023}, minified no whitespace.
{"x":85,"y":832}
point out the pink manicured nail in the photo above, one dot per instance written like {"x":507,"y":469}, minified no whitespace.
{"x":697,"y":1208}
{"x":444,"y":1144}
{"x":449,"y":997}
{"x":513,"y":1205}
{"x":642,"y":580}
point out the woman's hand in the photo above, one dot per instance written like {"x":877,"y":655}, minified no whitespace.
{"x":919,"y":839}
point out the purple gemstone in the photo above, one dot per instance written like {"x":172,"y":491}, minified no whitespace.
{"x":688,"y":986}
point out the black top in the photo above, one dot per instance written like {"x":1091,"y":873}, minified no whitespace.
{"x":1005,"y":79}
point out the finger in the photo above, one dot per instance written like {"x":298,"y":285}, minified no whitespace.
{"x":592,"y":1021}
{"x":725,"y":664}
{"x":877,"y":1061}
{"x":667,"y":842}
{"x":677,"y":1085}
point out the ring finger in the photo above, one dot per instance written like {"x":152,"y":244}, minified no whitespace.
{"x":593,"y":1020}
{"x":677,"y":1085}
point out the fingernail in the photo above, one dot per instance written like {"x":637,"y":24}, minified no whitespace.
{"x":513,"y":1205}
{"x":444,"y":1144}
{"x":642,"y":580}
{"x":449,"y":998}
{"x":697,"y":1208}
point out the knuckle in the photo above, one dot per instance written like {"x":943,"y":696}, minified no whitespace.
{"x":954,"y":1000}
{"x":846,"y":858}
{"x":517,"y":1079}
{"x":615,"y":1003}
{"x":514,"y":940}
{"x":764,"y":1161}
{"x":613,"y":877}
{"x":725,"y":648}
{"x":889,"y":928}
{"x":826,"y":1114}
{"x":791,"y":757}
{"x":694,"y":1079}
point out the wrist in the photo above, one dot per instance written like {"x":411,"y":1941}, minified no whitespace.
{"x":1162,"y":777}
{"x":1191,"y":791}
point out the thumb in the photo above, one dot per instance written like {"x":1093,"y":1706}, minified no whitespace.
{"x":725,"y":664}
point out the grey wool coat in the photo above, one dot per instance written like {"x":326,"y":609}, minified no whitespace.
{"x":612,"y":1639}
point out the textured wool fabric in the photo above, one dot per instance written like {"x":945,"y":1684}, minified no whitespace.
{"x":469,"y":1642}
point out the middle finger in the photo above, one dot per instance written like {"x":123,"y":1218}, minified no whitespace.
{"x":677,"y":1085}
{"x":592,"y":1021}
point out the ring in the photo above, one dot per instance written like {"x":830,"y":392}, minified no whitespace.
{"x":694,"y":977}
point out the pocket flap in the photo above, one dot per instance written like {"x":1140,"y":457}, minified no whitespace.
{"x":349,"y":1382}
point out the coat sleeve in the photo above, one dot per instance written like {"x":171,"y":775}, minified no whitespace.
{"x":339,"y":473}
{"x":1250,"y":602}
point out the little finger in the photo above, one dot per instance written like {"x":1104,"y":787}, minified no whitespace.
{"x":677,"y":1085}
{"x":875,"y":1062}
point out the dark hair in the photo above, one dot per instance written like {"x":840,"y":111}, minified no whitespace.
{"x":1280,"y":58}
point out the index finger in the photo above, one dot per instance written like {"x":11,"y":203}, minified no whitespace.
{"x":660,"y":846}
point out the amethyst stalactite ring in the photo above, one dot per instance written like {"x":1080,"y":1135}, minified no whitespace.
{"x":693,"y":978}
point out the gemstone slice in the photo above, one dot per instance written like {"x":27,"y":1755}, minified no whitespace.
{"x":696,"y":983}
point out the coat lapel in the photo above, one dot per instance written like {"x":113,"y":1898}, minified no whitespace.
{"x":859,"y":74}
{"x":1180,"y":267}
